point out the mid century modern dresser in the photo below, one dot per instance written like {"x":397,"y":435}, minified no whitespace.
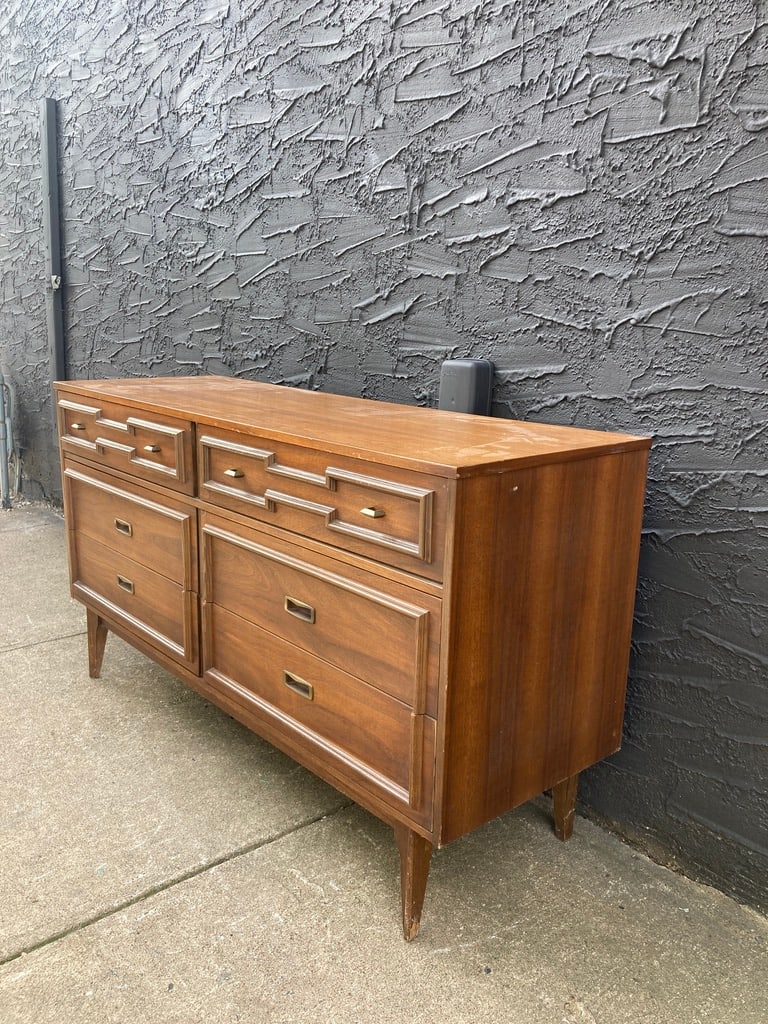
{"x":431,"y":611}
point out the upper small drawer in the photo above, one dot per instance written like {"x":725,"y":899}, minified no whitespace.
{"x":146,"y":445}
{"x":391,"y":515}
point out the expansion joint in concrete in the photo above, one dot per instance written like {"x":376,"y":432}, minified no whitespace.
{"x":41,"y":643}
{"x":170,"y":883}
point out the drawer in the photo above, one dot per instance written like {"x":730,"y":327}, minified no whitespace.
{"x":158,"y":609}
{"x":391,"y":515}
{"x":379,"y":630}
{"x":149,"y":446}
{"x":346,"y":722}
{"x":160,"y":535}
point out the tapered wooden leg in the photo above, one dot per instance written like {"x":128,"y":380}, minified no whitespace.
{"x":97,"y":639}
{"x":415,"y":857}
{"x":564,"y":801}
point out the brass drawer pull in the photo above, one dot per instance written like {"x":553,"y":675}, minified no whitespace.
{"x":372,"y":512}
{"x":77,"y":426}
{"x":151,"y":447}
{"x":125,"y":584}
{"x":299,"y":609}
{"x":298,"y":685}
{"x":233,"y":472}
{"x":124,"y":527}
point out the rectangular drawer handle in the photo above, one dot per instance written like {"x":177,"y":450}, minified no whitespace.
{"x":233,"y":472}
{"x":372,"y":512}
{"x":151,"y":447}
{"x":77,"y":426}
{"x":300,"y":609}
{"x":124,"y":527}
{"x":125,"y":584}
{"x":298,"y":685}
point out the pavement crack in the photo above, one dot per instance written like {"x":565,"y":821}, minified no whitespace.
{"x":170,"y":883}
{"x":42,"y":642}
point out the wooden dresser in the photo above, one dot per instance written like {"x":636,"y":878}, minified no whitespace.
{"x":431,"y":611}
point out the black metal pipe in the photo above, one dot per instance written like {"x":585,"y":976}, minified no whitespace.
{"x":52,"y":229}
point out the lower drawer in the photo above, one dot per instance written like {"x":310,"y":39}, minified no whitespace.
{"x":376,"y":629}
{"x":158,"y":533}
{"x":161,"y":611}
{"x":344,"y":720}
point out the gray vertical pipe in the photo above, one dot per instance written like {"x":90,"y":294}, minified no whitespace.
{"x":52,"y":228}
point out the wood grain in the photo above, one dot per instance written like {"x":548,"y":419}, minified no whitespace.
{"x":111,"y":434}
{"x":421,"y":439}
{"x":415,"y":859}
{"x":375,"y":629}
{"x":564,"y":806}
{"x":159,"y":534}
{"x":314,"y":493}
{"x":538,"y":631}
{"x":350,"y":720}
{"x":440,"y":661}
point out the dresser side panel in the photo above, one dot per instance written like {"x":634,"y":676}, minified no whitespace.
{"x":540,"y":617}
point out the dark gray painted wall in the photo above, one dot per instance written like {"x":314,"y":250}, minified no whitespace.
{"x":341,"y":195}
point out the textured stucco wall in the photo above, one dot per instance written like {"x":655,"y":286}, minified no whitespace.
{"x":341,"y":195}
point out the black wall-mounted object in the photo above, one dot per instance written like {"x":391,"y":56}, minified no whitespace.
{"x":52,"y":229}
{"x":466,"y":385}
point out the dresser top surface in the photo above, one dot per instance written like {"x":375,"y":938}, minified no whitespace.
{"x":439,"y":441}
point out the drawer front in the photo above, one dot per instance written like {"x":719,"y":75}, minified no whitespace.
{"x":393,"y":516}
{"x":160,"y":610}
{"x":378,"y":630}
{"x":347,"y":723}
{"x":161,"y":536}
{"x":150,"y":447}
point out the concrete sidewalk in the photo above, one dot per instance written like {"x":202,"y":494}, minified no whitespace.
{"x":161,"y":864}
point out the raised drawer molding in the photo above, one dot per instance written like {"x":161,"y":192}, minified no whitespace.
{"x":431,"y":611}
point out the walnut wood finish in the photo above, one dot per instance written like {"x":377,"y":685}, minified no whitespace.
{"x":538,"y":631}
{"x":134,"y":556}
{"x":318,"y":606}
{"x":429,"y":610}
{"x":158,"y":449}
{"x":564,"y":806}
{"x":152,"y":604}
{"x":395,"y":517}
{"x":97,"y":640}
{"x":415,"y":858}
{"x":160,"y":535}
{"x":426,"y":440}
{"x":363,"y":730}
